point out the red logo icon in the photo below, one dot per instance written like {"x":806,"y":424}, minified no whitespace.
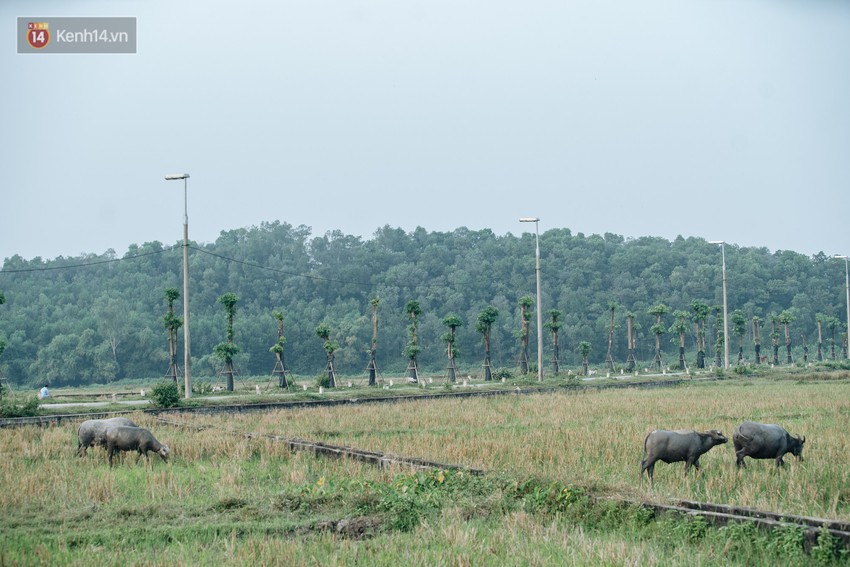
{"x":38,"y":36}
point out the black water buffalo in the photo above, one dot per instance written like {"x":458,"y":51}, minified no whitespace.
{"x":675,"y":446}
{"x":765,"y":441}
{"x":133,"y":439}
{"x":92,"y":433}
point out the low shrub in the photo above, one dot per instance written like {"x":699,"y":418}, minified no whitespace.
{"x":165,"y":395}
{"x":13,"y":407}
{"x":202,"y":387}
{"x":505,"y":373}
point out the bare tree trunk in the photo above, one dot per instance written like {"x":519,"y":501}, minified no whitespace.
{"x":609,"y":359}
{"x":451,"y":355}
{"x":788,"y":359}
{"x":373,"y":365}
{"x":487,"y":374}
{"x":556,"y":353}
{"x":523,"y":358}
{"x":631,"y":361}
{"x":331,"y":372}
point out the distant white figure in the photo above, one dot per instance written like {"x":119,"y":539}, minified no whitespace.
{"x":43,"y":393}
{"x":143,"y":393}
{"x":258,"y":389}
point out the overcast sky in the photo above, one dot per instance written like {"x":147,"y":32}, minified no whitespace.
{"x":721,"y":119}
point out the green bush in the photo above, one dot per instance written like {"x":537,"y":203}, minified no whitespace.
{"x":202,"y":387}
{"x":165,"y":395}
{"x":323,"y":380}
{"x":505,"y":373}
{"x":11,"y":407}
{"x":743,"y":370}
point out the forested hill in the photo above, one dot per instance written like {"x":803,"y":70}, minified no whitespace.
{"x":99,"y":318}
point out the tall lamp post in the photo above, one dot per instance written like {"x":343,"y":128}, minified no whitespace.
{"x":725,"y":310}
{"x":187,"y":377}
{"x":847,"y":288}
{"x":536,"y":220}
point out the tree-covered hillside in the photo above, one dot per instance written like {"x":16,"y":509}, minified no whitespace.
{"x":99,"y":318}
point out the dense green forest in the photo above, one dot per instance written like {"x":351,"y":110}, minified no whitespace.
{"x":98,"y":318}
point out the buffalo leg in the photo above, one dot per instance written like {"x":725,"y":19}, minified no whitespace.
{"x":648,"y":466}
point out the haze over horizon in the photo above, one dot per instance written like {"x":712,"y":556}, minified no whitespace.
{"x":722,"y":120}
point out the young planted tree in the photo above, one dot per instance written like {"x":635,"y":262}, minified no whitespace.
{"x":658,"y":329}
{"x":373,"y":365}
{"x":609,"y":358}
{"x":172,"y":325}
{"x":757,"y":338}
{"x":680,"y":326}
{"x":774,"y":338}
{"x":227,"y":350}
{"x":324,"y":333}
{"x":631,"y":361}
{"x":554,"y":324}
{"x":483,"y":326}
{"x":2,"y":345}
{"x":280,"y":365}
{"x":451,"y":321}
{"x":786,"y":318}
{"x":832,"y":324}
{"x":739,"y":329}
{"x":720,"y":340}
{"x":584,"y":350}
{"x":701,"y":311}
{"x":526,"y":302}
{"x":2,"y":350}
{"x":412,"y":349}
{"x":820,"y":318}
{"x":805,"y":349}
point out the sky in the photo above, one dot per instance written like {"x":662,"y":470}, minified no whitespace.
{"x":723,"y":119}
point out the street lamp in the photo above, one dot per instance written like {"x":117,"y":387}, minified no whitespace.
{"x":847,"y":288}
{"x":187,"y":379}
{"x":536,"y":220}
{"x":725,"y":311}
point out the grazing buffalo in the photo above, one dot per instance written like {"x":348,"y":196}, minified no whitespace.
{"x":134,"y":439}
{"x":93,"y":432}
{"x":765,"y":441}
{"x":675,"y":446}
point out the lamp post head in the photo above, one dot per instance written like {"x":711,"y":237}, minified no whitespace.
{"x":174,"y":176}
{"x":717,"y":242}
{"x":840,"y":256}
{"x":529,"y":219}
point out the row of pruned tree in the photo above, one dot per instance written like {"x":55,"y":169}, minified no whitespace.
{"x":684,"y":322}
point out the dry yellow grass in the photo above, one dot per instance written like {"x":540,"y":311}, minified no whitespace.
{"x":596,"y":438}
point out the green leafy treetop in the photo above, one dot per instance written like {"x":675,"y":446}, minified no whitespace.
{"x":554,"y":322}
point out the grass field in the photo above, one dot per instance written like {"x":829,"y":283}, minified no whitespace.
{"x":227,"y":499}
{"x":596,"y":438}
